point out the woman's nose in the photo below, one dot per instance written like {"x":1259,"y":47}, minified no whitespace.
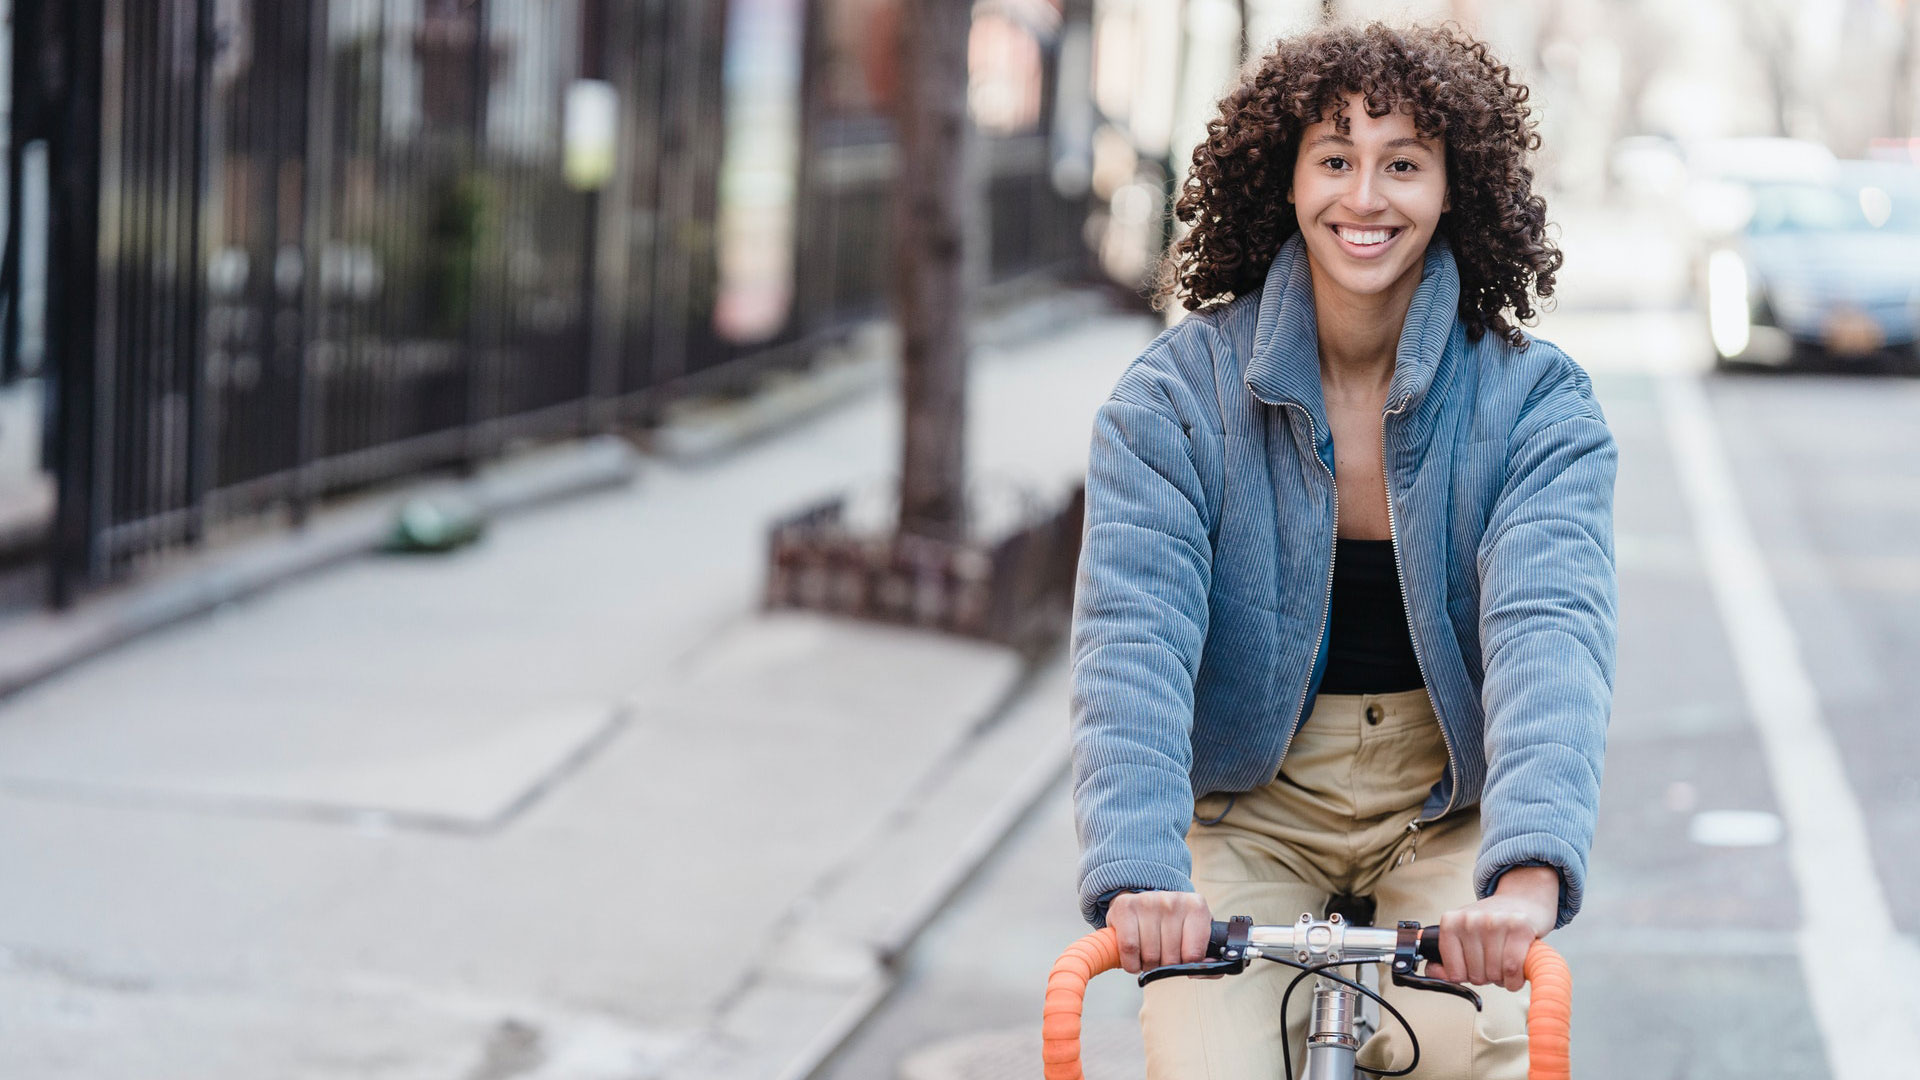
{"x":1363,"y":197}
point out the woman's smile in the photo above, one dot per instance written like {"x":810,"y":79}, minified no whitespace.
{"x":1366,"y":241}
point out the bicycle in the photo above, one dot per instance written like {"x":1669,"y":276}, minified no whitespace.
{"x":1316,"y":947}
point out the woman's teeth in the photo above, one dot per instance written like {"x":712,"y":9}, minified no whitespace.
{"x":1364,"y":237}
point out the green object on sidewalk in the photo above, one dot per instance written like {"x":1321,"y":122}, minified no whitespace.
{"x":435,"y":523}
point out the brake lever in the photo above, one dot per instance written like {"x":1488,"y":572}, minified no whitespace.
{"x":1204,"y":967}
{"x":1407,"y":953}
{"x":1230,"y":947}
{"x":1438,"y":986}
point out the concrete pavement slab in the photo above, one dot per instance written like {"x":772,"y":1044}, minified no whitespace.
{"x":426,"y":768}
{"x":1109,"y":1050}
{"x":367,"y":1027}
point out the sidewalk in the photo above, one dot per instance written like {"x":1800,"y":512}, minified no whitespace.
{"x":559,"y":805}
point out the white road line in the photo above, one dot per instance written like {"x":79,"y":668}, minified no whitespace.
{"x":1852,"y":956}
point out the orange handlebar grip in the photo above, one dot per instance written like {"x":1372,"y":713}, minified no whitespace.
{"x":1066,"y":994}
{"x":1549,"y":1015}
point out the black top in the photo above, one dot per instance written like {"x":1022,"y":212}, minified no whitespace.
{"x":1371,"y":646}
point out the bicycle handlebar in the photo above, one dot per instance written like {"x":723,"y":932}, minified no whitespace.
{"x":1549,"y":1012}
{"x":1355,"y":944}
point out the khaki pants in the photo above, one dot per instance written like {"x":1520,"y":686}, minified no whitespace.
{"x":1335,"y":821}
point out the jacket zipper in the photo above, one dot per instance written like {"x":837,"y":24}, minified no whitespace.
{"x":1393,"y":537}
{"x":1413,"y":831}
{"x":1326,"y":603}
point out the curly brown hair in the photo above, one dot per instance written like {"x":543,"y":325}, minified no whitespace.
{"x":1235,"y":198}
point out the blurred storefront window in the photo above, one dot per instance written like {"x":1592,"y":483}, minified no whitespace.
{"x":759,"y":173}
{"x":1136,"y":68}
{"x":860,"y":72}
{"x":1006,"y":65}
{"x":1137,"y":47}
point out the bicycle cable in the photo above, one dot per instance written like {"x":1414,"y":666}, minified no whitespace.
{"x":1286,"y":1046}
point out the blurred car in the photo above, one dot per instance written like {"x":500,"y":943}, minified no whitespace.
{"x":1715,"y":200}
{"x":1721,"y":175}
{"x":1820,"y":268}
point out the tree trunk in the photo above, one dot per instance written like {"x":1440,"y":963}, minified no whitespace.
{"x":929,"y":270}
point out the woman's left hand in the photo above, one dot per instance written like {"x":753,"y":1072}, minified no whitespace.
{"x":1487,"y":941}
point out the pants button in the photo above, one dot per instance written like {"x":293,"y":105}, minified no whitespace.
{"x":1374,"y":713}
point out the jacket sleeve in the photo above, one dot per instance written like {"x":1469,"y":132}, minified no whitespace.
{"x":1547,"y":629}
{"x":1140,"y":618}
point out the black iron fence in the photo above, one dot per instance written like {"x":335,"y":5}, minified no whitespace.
{"x":298,"y":246}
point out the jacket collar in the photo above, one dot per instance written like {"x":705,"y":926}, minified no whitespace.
{"x":1285,"y":366}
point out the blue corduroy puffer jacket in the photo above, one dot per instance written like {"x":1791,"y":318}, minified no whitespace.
{"x":1200,"y":615}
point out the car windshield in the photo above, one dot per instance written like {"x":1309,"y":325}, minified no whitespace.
{"x":1866,"y":207}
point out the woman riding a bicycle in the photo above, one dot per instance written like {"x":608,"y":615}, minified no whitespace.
{"x":1344,"y":629}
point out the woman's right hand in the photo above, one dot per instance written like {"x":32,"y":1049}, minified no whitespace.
{"x":1159,"y":928}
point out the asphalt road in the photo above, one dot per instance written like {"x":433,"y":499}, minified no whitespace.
{"x":1687,"y":958}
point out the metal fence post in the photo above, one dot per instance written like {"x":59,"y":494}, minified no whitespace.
{"x":603,"y":374}
{"x":199,"y":465}
{"x":308,"y":37}
{"x":477,"y":441}
{"x":71,"y":66}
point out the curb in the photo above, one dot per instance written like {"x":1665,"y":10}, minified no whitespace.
{"x":841,"y":963}
{"x":998,"y":823}
{"x":43,"y":644}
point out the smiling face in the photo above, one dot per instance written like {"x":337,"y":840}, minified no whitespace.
{"x":1368,"y":199}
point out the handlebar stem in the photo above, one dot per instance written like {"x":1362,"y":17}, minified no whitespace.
{"x":1321,"y":941}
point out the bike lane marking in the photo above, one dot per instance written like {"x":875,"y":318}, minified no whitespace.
{"x":1851,"y":954}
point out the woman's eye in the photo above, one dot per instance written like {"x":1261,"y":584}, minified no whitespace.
{"x":1335,"y":163}
{"x":1410,"y":166}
